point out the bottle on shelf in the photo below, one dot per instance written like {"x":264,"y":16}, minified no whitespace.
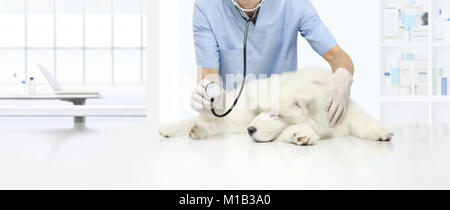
{"x":446,"y":30}
{"x":31,"y":86}
{"x":15,"y":79}
{"x":444,"y":82}
{"x":439,"y":27}
{"x":440,"y":81}
{"x":22,"y":90}
{"x":387,"y":83}
{"x":444,"y":86}
{"x":395,"y":81}
{"x":421,"y":82}
{"x":407,"y":67}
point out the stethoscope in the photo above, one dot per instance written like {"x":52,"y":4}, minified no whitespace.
{"x":213,"y":89}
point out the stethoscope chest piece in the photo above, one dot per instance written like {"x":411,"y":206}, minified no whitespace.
{"x":213,"y":89}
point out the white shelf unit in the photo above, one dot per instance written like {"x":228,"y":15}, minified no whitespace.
{"x":416,"y":108}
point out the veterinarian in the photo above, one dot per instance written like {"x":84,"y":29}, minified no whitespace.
{"x":272,"y":45}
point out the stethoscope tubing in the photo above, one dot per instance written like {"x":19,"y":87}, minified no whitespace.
{"x":244,"y":73}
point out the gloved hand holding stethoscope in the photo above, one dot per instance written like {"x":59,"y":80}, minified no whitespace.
{"x":209,"y":87}
{"x":208,"y":90}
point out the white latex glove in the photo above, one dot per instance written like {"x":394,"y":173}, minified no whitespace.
{"x":339,"y":86}
{"x":200,"y":101}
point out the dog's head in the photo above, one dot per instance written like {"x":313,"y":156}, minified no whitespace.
{"x":267,"y":126}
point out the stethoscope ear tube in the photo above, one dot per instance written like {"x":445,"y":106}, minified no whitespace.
{"x":247,"y":10}
{"x":244,"y":73}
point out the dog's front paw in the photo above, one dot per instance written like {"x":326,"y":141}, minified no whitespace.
{"x":304,"y":139}
{"x":198,"y":131}
{"x":301,"y":135}
{"x":167,"y":131}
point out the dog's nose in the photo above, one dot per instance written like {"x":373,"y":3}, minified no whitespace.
{"x":251,"y":130}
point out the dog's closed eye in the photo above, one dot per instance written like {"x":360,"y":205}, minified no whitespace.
{"x":276,"y":116}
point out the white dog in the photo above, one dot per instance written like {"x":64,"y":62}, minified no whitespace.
{"x":295,"y":113}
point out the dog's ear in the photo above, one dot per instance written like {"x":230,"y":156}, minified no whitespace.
{"x":303,"y":103}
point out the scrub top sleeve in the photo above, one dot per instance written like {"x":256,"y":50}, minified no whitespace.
{"x":314,"y":30}
{"x":206,"y":47}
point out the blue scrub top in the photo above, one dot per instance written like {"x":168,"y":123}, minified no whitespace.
{"x":272,"y":42}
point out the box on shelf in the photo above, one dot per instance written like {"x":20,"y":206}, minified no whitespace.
{"x":442,"y":26}
{"x":407,"y":76}
{"x":391,"y":24}
{"x":440,"y":81}
{"x":405,"y":21}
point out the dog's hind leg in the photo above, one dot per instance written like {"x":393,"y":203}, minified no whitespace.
{"x":364,"y":126}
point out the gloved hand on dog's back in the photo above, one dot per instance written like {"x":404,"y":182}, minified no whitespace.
{"x":200,"y":100}
{"x":339,"y":86}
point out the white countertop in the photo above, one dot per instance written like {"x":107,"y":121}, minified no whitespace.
{"x":106,"y":156}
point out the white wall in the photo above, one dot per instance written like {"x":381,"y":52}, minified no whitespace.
{"x":354,"y":23}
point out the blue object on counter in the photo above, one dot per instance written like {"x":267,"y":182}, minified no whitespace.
{"x":444,"y":86}
{"x":395,"y":76}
